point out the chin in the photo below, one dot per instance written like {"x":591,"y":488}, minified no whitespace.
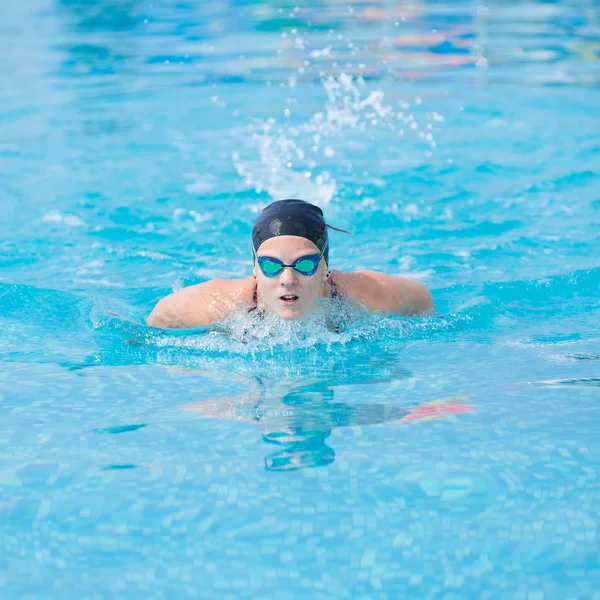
{"x":290,"y":315}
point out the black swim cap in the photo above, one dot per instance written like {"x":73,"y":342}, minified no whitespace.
{"x":291,"y":217}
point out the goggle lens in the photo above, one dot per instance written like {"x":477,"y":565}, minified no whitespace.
{"x":269,"y":267}
{"x":306,"y":266}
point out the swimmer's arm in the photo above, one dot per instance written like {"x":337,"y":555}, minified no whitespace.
{"x":233,"y":408}
{"x":391,"y":294}
{"x":199,"y":305}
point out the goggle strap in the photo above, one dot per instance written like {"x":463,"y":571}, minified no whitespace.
{"x":338,"y":229}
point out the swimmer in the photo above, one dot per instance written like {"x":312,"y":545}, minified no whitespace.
{"x":291,"y":274}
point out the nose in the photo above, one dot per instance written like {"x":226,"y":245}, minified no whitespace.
{"x":287,"y":277}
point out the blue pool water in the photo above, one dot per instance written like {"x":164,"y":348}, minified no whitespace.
{"x":450,"y":457}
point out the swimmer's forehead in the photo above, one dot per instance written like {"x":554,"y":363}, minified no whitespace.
{"x":287,"y":246}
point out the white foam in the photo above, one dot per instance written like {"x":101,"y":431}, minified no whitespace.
{"x":202,"y":183}
{"x":101,"y":282}
{"x":55,"y":216}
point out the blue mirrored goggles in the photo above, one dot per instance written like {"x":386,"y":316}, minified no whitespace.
{"x":306,"y":265}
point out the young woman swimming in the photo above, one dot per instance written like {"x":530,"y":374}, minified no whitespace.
{"x":291,"y":274}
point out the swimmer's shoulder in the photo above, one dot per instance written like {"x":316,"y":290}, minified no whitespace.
{"x":202,"y":304}
{"x":380,"y":292}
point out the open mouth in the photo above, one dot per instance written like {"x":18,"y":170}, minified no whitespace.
{"x":289,"y":299}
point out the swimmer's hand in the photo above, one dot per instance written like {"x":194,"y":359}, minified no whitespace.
{"x":438,"y":409}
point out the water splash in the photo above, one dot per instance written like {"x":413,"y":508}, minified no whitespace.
{"x":292,"y":157}
{"x":274,"y":172}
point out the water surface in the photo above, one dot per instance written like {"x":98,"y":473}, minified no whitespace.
{"x":451,"y":457}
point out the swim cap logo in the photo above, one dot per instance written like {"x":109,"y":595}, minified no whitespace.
{"x":275,"y":226}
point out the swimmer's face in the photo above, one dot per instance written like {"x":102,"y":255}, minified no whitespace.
{"x":290,"y":294}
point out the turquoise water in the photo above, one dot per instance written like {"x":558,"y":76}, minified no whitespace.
{"x":458,"y":142}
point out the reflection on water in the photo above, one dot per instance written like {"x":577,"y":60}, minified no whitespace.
{"x":586,"y":382}
{"x":298,"y":416}
{"x":100,"y":37}
{"x":203,"y":43}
